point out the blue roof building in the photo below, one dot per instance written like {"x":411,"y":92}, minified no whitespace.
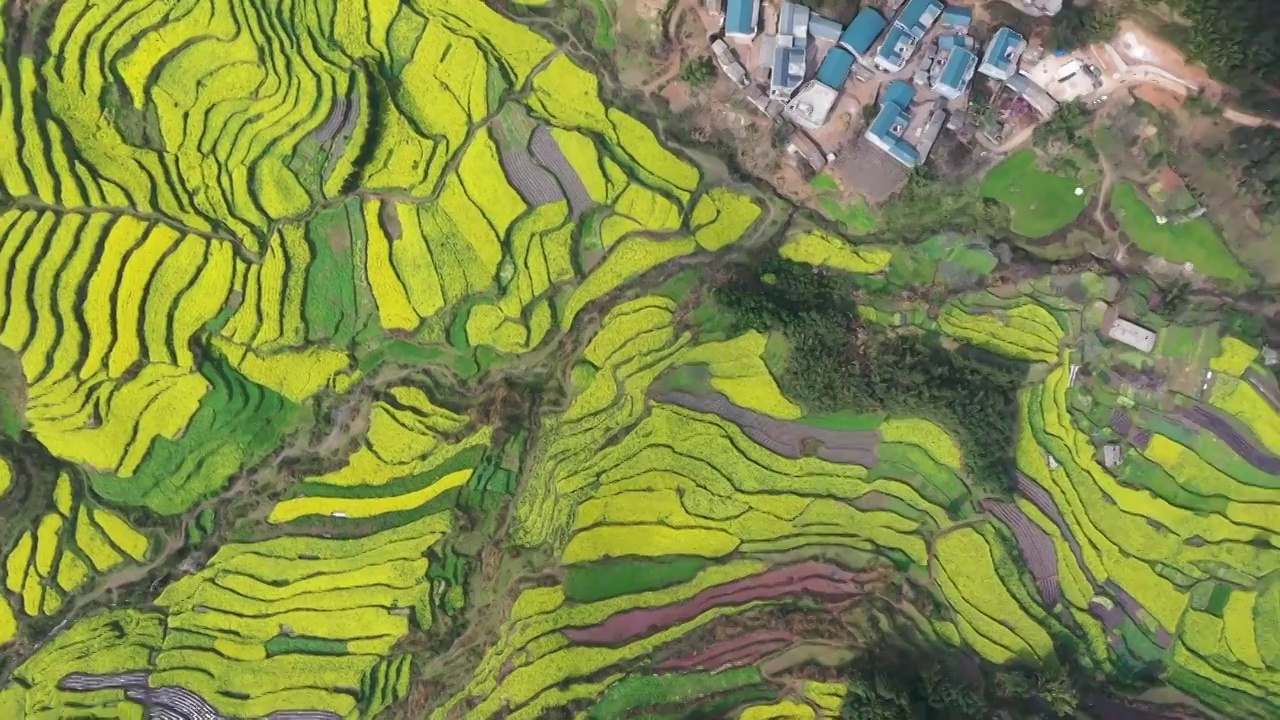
{"x":899,"y":93}
{"x":863,"y":31}
{"x":889,"y":125}
{"x":918,"y":16}
{"x":1001,"y":58}
{"x":909,"y":27}
{"x":893,"y":52}
{"x":742,"y":18}
{"x":956,"y":74}
{"x":947,"y":43}
{"x":956,"y":18}
{"x":835,"y":68}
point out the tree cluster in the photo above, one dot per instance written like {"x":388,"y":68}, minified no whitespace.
{"x":699,"y":72}
{"x":1237,"y":40}
{"x":907,"y":683}
{"x":1075,"y":26}
{"x":1256,"y":152}
{"x":839,"y":362}
{"x":1067,"y":127}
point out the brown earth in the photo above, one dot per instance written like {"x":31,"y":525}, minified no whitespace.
{"x":744,"y":650}
{"x":808,"y":579}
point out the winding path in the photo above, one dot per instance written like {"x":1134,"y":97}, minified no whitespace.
{"x":673,"y":67}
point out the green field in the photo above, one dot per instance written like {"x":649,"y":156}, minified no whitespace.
{"x":1196,"y":241}
{"x":1039,"y":202}
{"x":855,"y":216}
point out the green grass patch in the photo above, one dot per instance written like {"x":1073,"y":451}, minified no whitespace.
{"x":1183,"y":343}
{"x":824,"y":181}
{"x":1138,"y":471}
{"x":856,"y":216}
{"x":845,"y":420}
{"x":611,"y":578}
{"x":604,"y":26}
{"x":1218,"y":598}
{"x":679,"y":285}
{"x":1139,"y":643}
{"x":237,"y":424}
{"x":1040,"y":203}
{"x":285,"y":644}
{"x":640,"y":691}
{"x":1196,"y":241}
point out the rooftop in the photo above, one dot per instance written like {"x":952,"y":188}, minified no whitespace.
{"x":899,"y":93}
{"x":957,"y":73}
{"x":1132,"y":334}
{"x":957,"y":17}
{"x":863,"y":31}
{"x":893,"y":52}
{"x":793,"y":19}
{"x":741,"y":17}
{"x":1001,"y":58}
{"x":918,"y":16}
{"x":1037,"y":96}
{"x":835,"y":67}
{"x":824,"y":28}
{"x":788,"y":69}
{"x":887,"y":128}
{"x":811,"y":107}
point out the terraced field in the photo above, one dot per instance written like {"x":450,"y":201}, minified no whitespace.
{"x":365,"y":368}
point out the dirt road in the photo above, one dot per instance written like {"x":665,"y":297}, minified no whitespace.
{"x":673,"y":66}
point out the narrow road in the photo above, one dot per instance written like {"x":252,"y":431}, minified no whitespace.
{"x":673,"y":67}
{"x":1108,"y":172}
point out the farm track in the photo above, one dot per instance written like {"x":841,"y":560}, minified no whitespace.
{"x":674,"y":65}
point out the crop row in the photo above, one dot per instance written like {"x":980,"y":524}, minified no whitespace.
{"x":988,"y":617}
{"x":107,"y":642}
{"x":820,"y":249}
{"x":237,"y":423}
{"x":213,"y":82}
{"x":1234,"y":357}
{"x":66,"y":547}
{"x":1026,"y":332}
{"x":721,"y":217}
{"x":738,"y":370}
{"x":1223,"y":493}
{"x":541,"y":258}
{"x":408,"y":434}
{"x":296,"y":623}
{"x":1242,"y":401}
{"x":1143,"y":543}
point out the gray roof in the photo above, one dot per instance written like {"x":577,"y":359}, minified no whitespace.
{"x":788,"y":67}
{"x":824,"y":28}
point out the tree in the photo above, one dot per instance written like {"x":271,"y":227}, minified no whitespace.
{"x":839,"y":362}
{"x":1066,"y":127}
{"x":1237,"y":40}
{"x":1075,"y":27}
{"x":699,"y":71}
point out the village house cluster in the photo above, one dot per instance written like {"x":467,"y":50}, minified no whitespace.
{"x":917,"y":59}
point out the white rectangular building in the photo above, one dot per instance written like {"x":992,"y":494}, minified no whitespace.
{"x":1132,"y":334}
